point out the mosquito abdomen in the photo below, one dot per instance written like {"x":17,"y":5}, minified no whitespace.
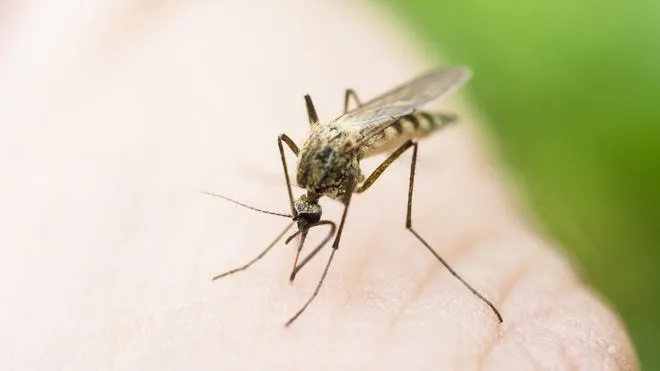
{"x":416,"y":125}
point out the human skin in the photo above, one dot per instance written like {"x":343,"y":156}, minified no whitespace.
{"x":120,"y":113}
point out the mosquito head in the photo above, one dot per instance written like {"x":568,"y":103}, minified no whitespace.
{"x":308,"y":212}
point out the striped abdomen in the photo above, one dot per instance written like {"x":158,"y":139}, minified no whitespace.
{"x":415,"y":125}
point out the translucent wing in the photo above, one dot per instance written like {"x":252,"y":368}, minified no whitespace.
{"x":374,"y":116}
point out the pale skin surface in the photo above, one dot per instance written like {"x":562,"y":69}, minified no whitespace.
{"x":118,"y":115}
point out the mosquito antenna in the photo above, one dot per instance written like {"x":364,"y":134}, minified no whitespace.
{"x":246,"y":206}
{"x":261,"y":255}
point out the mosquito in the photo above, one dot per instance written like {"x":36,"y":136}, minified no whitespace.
{"x":329,"y":162}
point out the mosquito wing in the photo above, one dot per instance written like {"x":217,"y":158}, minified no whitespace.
{"x":377,"y":114}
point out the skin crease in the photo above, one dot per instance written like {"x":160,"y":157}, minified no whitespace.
{"x":120,"y":113}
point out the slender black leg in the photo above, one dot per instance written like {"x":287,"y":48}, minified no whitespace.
{"x":351,"y":93}
{"x":346,"y":201}
{"x":316,"y":291}
{"x":381,"y":168}
{"x":311,"y":111}
{"x":294,"y":148}
{"x":372,"y":178}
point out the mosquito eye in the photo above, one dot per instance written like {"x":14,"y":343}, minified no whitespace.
{"x":310,"y":217}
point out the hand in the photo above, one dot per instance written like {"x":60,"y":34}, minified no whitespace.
{"x":119,"y":116}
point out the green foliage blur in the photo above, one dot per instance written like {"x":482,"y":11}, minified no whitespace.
{"x":571,"y":93}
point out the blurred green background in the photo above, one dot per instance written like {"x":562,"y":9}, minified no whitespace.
{"x":571,"y":90}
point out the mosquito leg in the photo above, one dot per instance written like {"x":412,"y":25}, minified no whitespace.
{"x":442,"y":261}
{"x":346,"y":201}
{"x":316,"y":291}
{"x":351,"y":93}
{"x":294,"y":148}
{"x":311,"y":111}
{"x":374,"y":176}
{"x":381,"y":168}
{"x":261,"y":255}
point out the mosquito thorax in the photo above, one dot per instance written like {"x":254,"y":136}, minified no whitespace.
{"x":325,"y":165}
{"x":308,"y":211}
